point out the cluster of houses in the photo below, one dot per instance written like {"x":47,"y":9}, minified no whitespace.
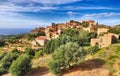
{"x":106,"y":39}
{"x":55,"y":30}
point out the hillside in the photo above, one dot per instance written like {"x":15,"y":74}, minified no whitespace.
{"x":103,"y":63}
{"x":111,"y":56}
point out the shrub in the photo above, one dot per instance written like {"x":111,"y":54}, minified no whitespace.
{"x":2,"y":71}
{"x":2,"y":43}
{"x":2,"y":55}
{"x":7,"y":60}
{"x":21,"y":65}
{"x":29,"y":52}
{"x":38,"y":53}
{"x":65,"y":57}
{"x":93,"y":50}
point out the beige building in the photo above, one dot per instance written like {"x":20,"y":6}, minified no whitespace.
{"x":102,"y":30}
{"x":105,"y":40}
{"x":41,"y":40}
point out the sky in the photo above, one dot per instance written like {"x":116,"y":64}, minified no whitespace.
{"x":37,"y":13}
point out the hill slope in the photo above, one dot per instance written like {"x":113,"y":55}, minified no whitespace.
{"x":111,"y":56}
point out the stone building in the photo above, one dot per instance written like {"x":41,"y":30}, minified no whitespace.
{"x":41,"y":40}
{"x":102,"y":31}
{"x":105,"y":40}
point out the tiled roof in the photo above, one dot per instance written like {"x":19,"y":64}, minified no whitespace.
{"x":41,"y":38}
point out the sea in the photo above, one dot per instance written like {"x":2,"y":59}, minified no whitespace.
{"x":14,"y":31}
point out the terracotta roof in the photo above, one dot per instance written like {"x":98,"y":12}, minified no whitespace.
{"x":90,"y":21}
{"x":41,"y":38}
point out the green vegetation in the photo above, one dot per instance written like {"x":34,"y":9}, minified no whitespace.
{"x":6,"y":61}
{"x":30,"y":52}
{"x":32,"y":36}
{"x":2,"y":43}
{"x":69,"y":35}
{"x":38,"y":53}
{"x":111,"y":56}
{"x":115,"y":29}
{"x":20,"y":66}
{"x":65,"y":57}
{"x":84,"y":24}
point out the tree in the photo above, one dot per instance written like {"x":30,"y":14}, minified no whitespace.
{"x":2,"y":55}
{"x":30,"y":52}
{"x":55,"y":43}
{"x":82,"y":37}
{"x":93,"y":50}
{"x":2,"y":43}
{"x":69,"y":35}
{"x":65,"y":57}
{"x":38,"y":53}
{"x":85,"y":24}
{"x":115,"y":29}
{"x":6,"y":61}
{"x":20,"y":66}
{"x":92,"y":35}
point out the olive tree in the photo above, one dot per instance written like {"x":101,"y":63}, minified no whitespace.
{"x":21,"y":65}
{"x":65,"y":57}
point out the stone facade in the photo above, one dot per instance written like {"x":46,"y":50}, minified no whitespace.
{"x":105,"y":40}
{"x":55,"y":30}
{"x":102,"y":30}
{"x":41,"y":40}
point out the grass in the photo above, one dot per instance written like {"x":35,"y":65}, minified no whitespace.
{"x":111,"y":56}
{"x":41,"y":62}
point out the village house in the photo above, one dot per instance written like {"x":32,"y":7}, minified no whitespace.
{"x":55,"y":30}
{"x":41,"y":40}
{"x":91,"y":25}
{"x":102,"y":31}
{"x":105,"y":40}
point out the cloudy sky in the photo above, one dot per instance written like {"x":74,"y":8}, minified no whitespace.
{"x":34,"y":13}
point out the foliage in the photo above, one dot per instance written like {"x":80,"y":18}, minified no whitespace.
{"x":93,"y":50}
{"x":2,"y":55}
{"x":32,"y":36}
{"x":30,"y":52}
{"x":69,"y":35}
{"x":55,"y":43}
{"x":38,"y":53}
{"x":66,"y":56}
{"x":2,"y":43}
{"x":92,"y":35}
{"x":115,"y":29}
{"x":15,"y":51}
{"x":2,"y":71}
{"x":85,"y":24}
{"x":6,"y":61}
{"x":21,"y":65}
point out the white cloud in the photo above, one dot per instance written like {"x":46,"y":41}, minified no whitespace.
{"x":45,"y":1}
{"x":85,"y":8}
{"x":72,"y":13}
{"x":16,"y":8}
{"x":99,"y":15}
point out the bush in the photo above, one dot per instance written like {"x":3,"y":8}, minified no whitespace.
{"x":93,"y":50}
{"x":21,"y":65}
{"x":2,"y":43}
{"x":2,"y":55}
{"x":65,"y":57}
{"x":2,"y":71}
{"x":7,"y":60}
{"x":29,"y":52}
{"x":38,"y":53}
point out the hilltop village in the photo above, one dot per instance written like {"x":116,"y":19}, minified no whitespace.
{"x":83,"y":48}
{"x":103,"y":39}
